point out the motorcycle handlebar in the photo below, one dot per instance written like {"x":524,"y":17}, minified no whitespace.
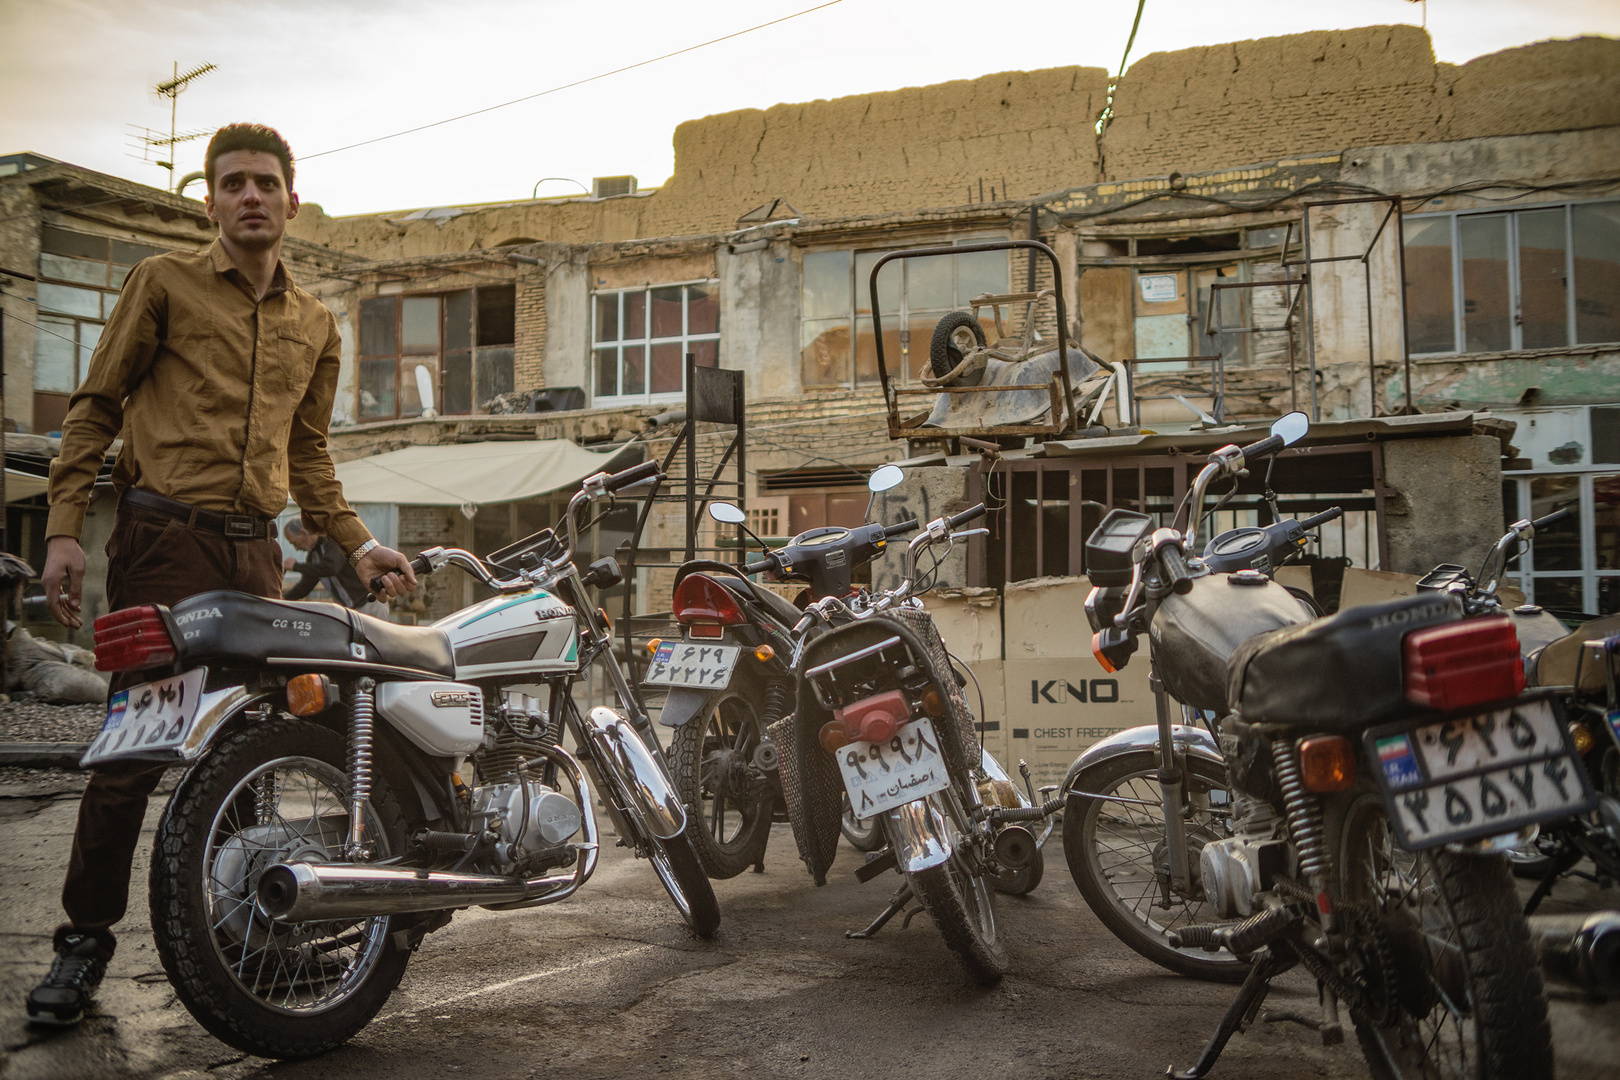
{"x":900,"y":527}
{"x":970,"y":514}
{"x":1323,"y":518}
{"x":1556,"y":515}
{"x":636,"y":474}
{"x":419,"y":564}
{"x":759,"y":566}
{"x":1175,"y":569}
{"x":1263,"y":447}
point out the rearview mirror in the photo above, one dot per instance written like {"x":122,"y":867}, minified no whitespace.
{"x":727,"y":513}
{"x":884,"y":478}
{"x":1291,"y":427}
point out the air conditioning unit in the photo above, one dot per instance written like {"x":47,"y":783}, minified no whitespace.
{"x":606,"y":187}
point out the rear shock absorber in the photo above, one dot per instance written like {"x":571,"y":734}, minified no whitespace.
{"x":776,"y":694}
{"x":1304,"y":812}
{"x":362,"y":713}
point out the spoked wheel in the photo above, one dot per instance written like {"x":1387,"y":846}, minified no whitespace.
{"x":1451,"y":983}
{"x":961,"y":906}
{"x":1116,"y":850}
{"x":683,"y":878}
{"x":275,"y":792}
{"x":712,"y":757}
{"x":862,"y":835}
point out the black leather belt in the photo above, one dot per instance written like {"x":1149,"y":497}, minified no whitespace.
{"x":234,"y":526}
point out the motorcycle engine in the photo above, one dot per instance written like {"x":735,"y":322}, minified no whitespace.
{"x":1237,"y":869}
{"x":552,"y":816}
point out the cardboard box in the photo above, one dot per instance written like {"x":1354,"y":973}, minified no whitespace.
{"x":969,"y":621}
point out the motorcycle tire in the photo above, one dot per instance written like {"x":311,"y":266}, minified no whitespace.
{"x":683,"y":878}
{"x":962,"y":907}
{"x":704,"y":756}
{"x":217,"y":834}
{"x":1447,"y":955}
{"x":943,"y":354}
{"x":1115,"y":851}
{"x":864,"y":836}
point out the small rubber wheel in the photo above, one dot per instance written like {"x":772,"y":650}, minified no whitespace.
{"x":952,"y":341}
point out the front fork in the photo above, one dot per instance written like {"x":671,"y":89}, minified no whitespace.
{"x":1172,"y":782}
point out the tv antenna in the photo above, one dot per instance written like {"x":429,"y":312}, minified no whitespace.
{"x":171,"y":88}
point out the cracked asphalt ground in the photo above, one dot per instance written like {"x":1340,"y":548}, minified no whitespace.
{"x":610,"y":984}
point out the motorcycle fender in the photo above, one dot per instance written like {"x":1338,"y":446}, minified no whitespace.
{"x":920,"y":833}
{"x":1193,"y":741}
{"x":682,"y":705}
{"x":218,"y":707}
{"x":618,"y":747}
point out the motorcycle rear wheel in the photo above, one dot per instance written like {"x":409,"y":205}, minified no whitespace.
{"x":961,"y":906}
{"x":1470,"y":1003}
{"x":273,"y":792}
{"x":863,"y":835}
{"x":707,"y":755}
{"x":1115,"y":851}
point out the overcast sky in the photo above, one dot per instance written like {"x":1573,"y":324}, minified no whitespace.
{"x":75,"y":75}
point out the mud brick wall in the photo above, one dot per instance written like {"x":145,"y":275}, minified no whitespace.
{"x":529,"y":353}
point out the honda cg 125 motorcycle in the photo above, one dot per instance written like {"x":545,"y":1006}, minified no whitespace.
{"x":731,"y":677}
{"x":350,"y":782}
{"x":1380,"y":760}
{"x":881,"y":720}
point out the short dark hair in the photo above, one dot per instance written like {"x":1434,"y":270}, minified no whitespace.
{"x":248,"y":137}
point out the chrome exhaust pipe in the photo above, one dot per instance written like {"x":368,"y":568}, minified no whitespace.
{"x":1581,"y":951}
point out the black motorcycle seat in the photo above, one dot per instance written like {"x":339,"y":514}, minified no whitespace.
{"x":781,"y":610}
{"x":1341,"y":673}
{"x":240,"y":628}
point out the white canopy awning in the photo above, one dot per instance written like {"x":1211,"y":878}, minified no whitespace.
{"x":21,"y":485}
{"x":473,"y":474}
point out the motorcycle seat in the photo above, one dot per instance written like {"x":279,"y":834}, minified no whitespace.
{"x":781,"y":610}
{"x":224,"y":626}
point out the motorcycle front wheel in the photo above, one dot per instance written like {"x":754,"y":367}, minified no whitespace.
{"x":683,"y":878}
{"x":1437,"y":941}
{"x":711,"y":757}
{"x":273,"y":792}
{"x":961,"y":906}
{"x":1117,"y":853}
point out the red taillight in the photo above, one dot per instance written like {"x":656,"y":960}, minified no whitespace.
{"x":1464,"y":663}
{"x":874,"y":719}
{"x":133,"y":638}
{"x":702,"y":599}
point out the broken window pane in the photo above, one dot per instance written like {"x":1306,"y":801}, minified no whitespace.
{"x":1543,"y":298}
{"x":607,"y":317}
{"x":1597,"y":272}
{"x":377,"y":317}
{"x":824,"y":289}
{"x":1429,"y":317}
{"x":666,"y":313}
{"x":668,"y":364}
{"x":419,"y":324}
{"x":1487,"y":315}
{"x":702,"y":309}
{"x":497,"y":314}
{"x":824,"y":352}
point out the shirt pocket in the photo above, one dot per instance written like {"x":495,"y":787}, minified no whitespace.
{"x":296,"y":358}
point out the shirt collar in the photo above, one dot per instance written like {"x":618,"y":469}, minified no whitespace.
{"x":217,"y":255}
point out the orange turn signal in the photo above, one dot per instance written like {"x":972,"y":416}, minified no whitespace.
{"x":652,"y":646}
{"x":764,"y":653}
{"x":1327,"y":763}
{"x":833,"y":736}
{"x":1097,"y":651}
{"x":1582,"y":737}
{"x":607,"y":622}
{"x":932,"y":703}
{"x":309,"y":694}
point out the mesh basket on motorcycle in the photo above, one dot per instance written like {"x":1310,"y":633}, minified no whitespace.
{"x":900,"y":650}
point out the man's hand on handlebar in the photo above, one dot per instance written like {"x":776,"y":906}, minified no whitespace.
{"x":386,"y":572}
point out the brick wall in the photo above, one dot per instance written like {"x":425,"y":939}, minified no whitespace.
{"x":529,"y":364}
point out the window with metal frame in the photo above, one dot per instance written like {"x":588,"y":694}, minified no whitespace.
{"x":1503,"y":280}
{"x":1572,"y":567}
{"x":837,"y":348}
{"x":640,"y":338}
{"x":450,"y":352}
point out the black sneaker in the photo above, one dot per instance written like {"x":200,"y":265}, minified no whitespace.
{"x":66,"y":992}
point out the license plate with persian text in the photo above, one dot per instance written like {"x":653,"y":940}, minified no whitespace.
{"x":882,"y":776}
{"x":153,"y":716}
{"x":687,"y":663}
{"x":1482,"y":775}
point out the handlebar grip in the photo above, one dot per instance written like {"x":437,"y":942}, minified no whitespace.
{"x":1263,"y":447}
{"x":1175,"y":569}
{"x":419,"y":565}
{"x":900,"y":527}
{"x":759,"y":566}
{"x":970,"y":514}
{"x":1330,"y":514}
{"x":633,"y":475}
{"x":1556,"y":515}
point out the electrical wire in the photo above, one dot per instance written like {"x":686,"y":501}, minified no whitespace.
{"x":569,"y":86}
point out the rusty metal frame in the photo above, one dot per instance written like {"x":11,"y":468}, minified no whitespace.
{"x":1218,"y":383}
{"x":1064,"y":413}
{"x":1219,"y":331}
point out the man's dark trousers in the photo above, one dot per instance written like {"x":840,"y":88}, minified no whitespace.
{"x":151,"y":559}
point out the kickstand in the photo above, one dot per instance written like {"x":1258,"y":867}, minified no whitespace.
{"x":898,"y":901}
{"x":1239,"y":1013}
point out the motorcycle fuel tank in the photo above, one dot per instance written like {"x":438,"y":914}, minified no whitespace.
{"x":1195,"y":634}
{"x":531,"y":633}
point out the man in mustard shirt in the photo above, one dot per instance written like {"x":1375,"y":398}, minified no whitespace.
{"x":220,"y":374}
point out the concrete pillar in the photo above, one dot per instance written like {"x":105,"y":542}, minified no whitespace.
{"x":1443,"y":501}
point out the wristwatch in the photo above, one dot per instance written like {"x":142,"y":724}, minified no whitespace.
{"x":358,"y":553}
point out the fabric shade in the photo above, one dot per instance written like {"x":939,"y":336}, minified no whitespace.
{"x":21,"y":485}
{"x":475,"y":474}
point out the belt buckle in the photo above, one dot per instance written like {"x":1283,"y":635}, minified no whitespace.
{"x":238,"y":526}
